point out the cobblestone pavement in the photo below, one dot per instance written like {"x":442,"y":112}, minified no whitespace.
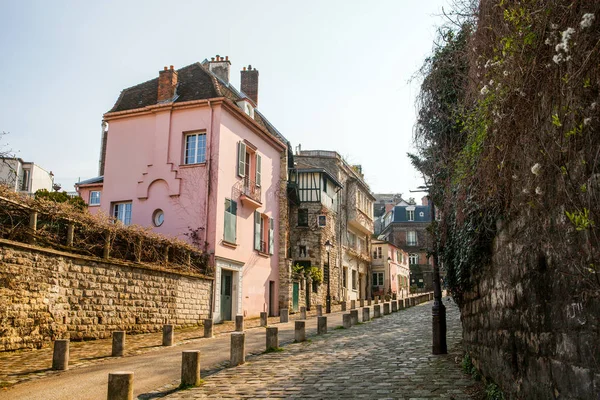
{"x":388,"y":358}
{"x":24,"y":365}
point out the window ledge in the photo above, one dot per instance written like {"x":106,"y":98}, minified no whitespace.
{"x":192,"y":165}
{"x":265,"y":255}
{"x":93,"y":205}
{"x":229,"y":244}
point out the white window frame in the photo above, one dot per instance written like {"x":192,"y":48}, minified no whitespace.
{"x":413,"y":259}
{"x":411,"y":235}
{"x":91,"y":201}
{"x":410,"y":215}
{"x":199,"y":151}
{"x":121,"y":212}
{"x":230,"y":217}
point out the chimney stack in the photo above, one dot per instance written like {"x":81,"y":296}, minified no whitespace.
{"x":425,"y":200}
{"x":220,"y":67}
{"x":167,"y":82}
{"x":249,"y":83}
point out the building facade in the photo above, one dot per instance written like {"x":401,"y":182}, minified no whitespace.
{"x":23,"y":176}
{"x":190,"y":156}
{"x":391,"y":273}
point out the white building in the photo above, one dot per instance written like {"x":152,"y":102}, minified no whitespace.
{"x":23,"y":176}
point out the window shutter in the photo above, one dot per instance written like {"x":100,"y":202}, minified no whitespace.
{"x":257,"y":219}
{"x":241,"y":159}
{"x":271,"y":235}
{"x":258,"y":169}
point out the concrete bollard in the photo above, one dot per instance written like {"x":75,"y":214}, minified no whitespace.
{"x":237,"y":354}
{"x":208,"y":328}
{"x":302,"y":312}
{"x":369,"y":302}
{"x":190,"y":368}
{"x":386,"y":308}
{"x":412,"y":301}
{"x":239,"y":323}
{"x":120,"y":385}
{"x":347,"y":321}
{"x":352,"y":304}
{"x":118,"y":343}
{"x":362,"y":303}
{"x":321,"y":325}
{"x":272,"y":338}
{"x":354,"y":317}
{"x":366,"y":314}
{"x":300,"y":331}
{"x":401,"y":304}
{"x":376,"y":299}
{"x":343,"y":306}
{"x":60,"y":356}
{"x":284,"y":315}
{"x":263,"y":319}
{"x":394,"y":296}
{"x":167,"y":335}
{"x":395,"y":306}
{"x":319,"y":310}
{"x":376,"y":311}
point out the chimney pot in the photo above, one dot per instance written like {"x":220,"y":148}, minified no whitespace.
{"x":212,"y":59}
{"x":244,"y":68}
{"x":171,"y":68}
{"x":226,"y":58}
{"x":165,"y":68}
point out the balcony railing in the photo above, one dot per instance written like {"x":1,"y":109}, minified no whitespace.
{"x":248,"y":188}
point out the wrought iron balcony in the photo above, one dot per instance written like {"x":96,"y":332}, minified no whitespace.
{"x":249,"y":192}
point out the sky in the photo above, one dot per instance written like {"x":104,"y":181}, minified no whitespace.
{"x":334,"y":75}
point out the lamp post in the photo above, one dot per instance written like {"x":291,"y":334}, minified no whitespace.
{"x":328,"y":246}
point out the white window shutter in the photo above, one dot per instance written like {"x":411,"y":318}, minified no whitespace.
{"x":257,"y":219}
{"x":258,"y":169}
{"x":241,"y":159}
{"x":271,"y":235}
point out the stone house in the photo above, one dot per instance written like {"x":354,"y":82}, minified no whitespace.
{"x":332,"y":202}
{"x":190,"y":156}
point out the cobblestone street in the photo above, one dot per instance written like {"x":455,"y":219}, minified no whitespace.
{"x":388,"y":358}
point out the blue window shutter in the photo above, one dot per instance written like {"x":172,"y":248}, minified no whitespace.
{"x":241,"y":170}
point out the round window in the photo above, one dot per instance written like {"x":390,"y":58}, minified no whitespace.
{"x":158,"y":217}
{"x":421,"y":214}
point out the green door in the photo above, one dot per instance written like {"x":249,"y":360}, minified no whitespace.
{"x":295,"y":296}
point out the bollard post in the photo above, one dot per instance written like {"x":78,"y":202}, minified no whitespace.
{"x":120,"y":385}
{"x":352,"y":304}
{"x":347,"y":321}
{"x":60,"y":356}
{"x":362,"y":303}
{"x":369,"y":302}
{"x":70,"y":234}
{"x":354,"y":317}
{"x":376,"y":311}
{"x":300,"y":331}
{"x":263,"y":319}
{"x":343,"y":306}
{"x":321,"y":325}
{"x":319,"y":310}
{"x":394,"y":305}
{"x":394,"y":296}
{"x":208,"y":328}
{"x":284,"y":315}
{"x":239,"y":323}
{"x":376,"y":299}
{"x":366,"y":312}
{"x":190,"y":368}
{"x":237,"y":354}
{"x":302,"y":312}
{"x":401,"y":304}
{"x":272,"y":338}
{"x":386,"y":308}
{"x":118,"y":343}
{"x":167,"y":335}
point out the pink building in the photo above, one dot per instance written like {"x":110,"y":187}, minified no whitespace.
{"x":190,"y":156}
{"x":391,"y":272}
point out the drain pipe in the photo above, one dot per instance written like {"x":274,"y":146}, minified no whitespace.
{"x":206,"y":208}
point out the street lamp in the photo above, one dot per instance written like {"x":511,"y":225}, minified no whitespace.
{"x":328,"y":247}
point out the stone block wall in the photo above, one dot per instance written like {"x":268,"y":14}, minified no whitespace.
{"x":529,"y":326}
{"x":47,"y":294}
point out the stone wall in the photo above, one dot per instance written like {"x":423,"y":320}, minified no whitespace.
{"x":47,"y":294}
{"x":529,"y":326}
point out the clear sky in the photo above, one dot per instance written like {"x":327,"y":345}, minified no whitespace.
{"x":334,"y":75}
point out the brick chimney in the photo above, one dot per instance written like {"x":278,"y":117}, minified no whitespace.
{"x":249,"y":83}
{"x":220,"y":67}
{"x":167,"y":82}
{"x":425,"y":200}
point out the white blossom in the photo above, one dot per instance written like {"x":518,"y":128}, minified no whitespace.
{"x":593,"y":106}
{"x":536,"y":169}
{"x":587,"y":20}
{"x":557,"y":58}
{"x":526,"y":191}
{"x":505,"y":73}
{"x":548,"y":41}
{"x":586,"y":121}
{"x":484,"y":90}
{"x":553,"y":26}
{"x":539,"y":191}
{"x":515,"y":177}
{"x":564,"y":42}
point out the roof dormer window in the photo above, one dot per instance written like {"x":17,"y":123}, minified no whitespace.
{"x":246,"y":107}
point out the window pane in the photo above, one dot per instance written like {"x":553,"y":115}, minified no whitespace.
{"x":201,"y":149}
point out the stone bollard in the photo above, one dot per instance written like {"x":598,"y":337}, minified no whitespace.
{"x":300,"y":331}
{"x":321,"y":325}
{"x":343,"y":306}
{"x":386,"y":308}
{"x":60,"y":356}
{"x":412,"y":301}
{"x":394,"y":296}
{"x":118,"y":343}
{"x":362,"y":303}
{"x":263,"y":319}
{"x":167,"y":335}
{"x":369,"y":302}
{"x":354,"y":317}
{"x":366,"y":314}
{"x":302,"y":312}
{"x":347,"y":321}
{"x":284,"y":315}
{"x":319,"y":310}
{"x":208,"y":328}
{"x":272,"y":338}
{"x":190,"y":368}
{"x":395,"y":306}
{"x":352,"y":304}
{"x":120,"y":385}
{"x":237,"y":354}
{"x":239,"y":323}
{"x":376,"y":311}
{"x":401,"y":304}
{"x":376,"y":299}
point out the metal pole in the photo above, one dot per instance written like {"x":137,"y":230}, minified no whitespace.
{"x":438,"y":311}
{"x":328,"y":305}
